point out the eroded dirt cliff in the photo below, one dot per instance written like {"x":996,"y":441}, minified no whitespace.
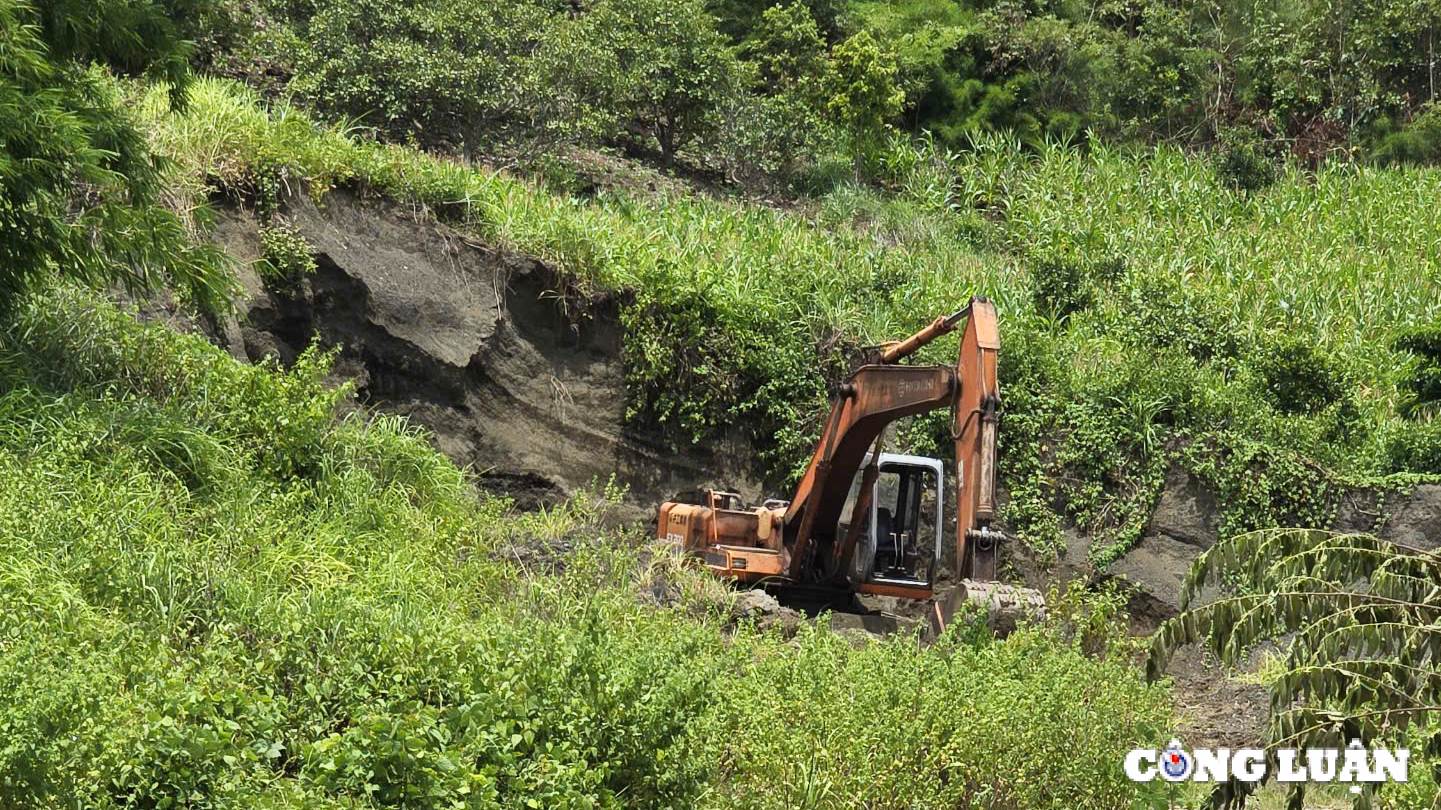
{"x":513,"y":379}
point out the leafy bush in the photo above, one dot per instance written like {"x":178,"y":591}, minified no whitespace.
{"x":657,"y":64}
{"x":1163,"y":311}
{"x":863,"y":96}
{"x":740,"y":19}
{"x":434,"y":71}
{"x":1065,"y":285}
{"x":779,"y":126}
{"x":286,"y":256}
{"x":1241,"y":161}
{"x":1415,"y":448}
{"x":1299,"y":375}
{"x":1422,"y":381}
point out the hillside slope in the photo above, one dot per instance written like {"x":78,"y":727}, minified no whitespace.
{"x":217,"y":592}
{"x":1151,"y":317}
{"x":232,"y":581}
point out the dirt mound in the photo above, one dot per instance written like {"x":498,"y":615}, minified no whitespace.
{"x":469,"y":341}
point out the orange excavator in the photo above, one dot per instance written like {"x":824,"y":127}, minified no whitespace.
{"x":860,"y":517}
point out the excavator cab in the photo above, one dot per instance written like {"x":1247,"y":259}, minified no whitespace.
{"x":901,"y":540}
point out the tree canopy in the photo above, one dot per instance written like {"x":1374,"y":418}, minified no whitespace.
{"x":80,"y":190}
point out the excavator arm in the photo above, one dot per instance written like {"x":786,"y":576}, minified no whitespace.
{"x":878,"y":394}
{"x":974,"y":427}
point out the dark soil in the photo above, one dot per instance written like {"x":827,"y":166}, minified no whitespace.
{"x":513,"y":376}
{"x":1215,"y":711}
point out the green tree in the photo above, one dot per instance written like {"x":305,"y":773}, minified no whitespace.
{"x":782,"y":123}
{"x":660,"y":66}
{"x":80,"y":183}
{"x":739,"y":20}
{"x":439,"y":71}
{"x":864,"y":96}
{"x":1366,"y":619}
{"x":787,"y":48}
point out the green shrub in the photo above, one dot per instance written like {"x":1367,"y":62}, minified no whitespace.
{"x":1421,"y":382}
{"x":438,"y":72}
{"x":1417,"y":143}
{"x":779,"y":126}
{"x":1299,"y":375}
{"x":286,"y":257}
{"x":1065,"y":285}
{"x":658,"y":64}
{"x":1415,"y":448}
{"x":863,"y":95}
{"x":1162,"y":311}
{"x":274,"y":423}
{"x":1241,"y":162}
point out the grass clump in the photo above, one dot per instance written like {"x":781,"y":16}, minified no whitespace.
{"x":286,"y":256}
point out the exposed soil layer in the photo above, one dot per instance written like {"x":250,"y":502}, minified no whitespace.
{"x":1215,"y":711}
{"x":477,"y":345}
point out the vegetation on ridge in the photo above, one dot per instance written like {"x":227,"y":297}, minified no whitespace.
{"x":1152,"y":316}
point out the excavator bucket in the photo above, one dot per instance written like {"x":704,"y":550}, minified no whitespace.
{"x":1004,"y":606}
